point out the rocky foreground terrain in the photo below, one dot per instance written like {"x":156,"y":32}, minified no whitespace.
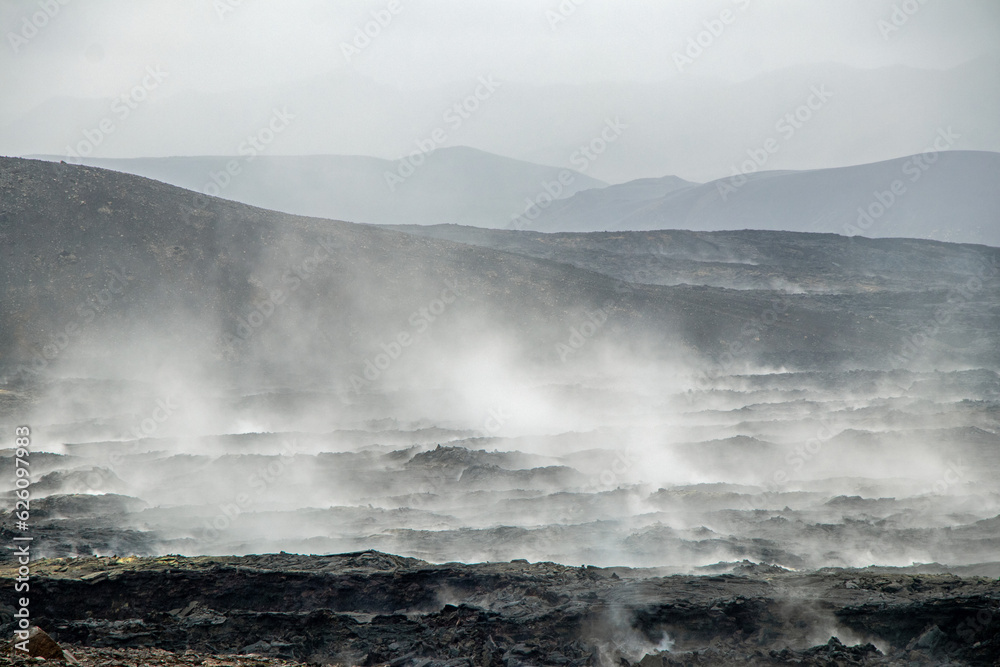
{"x":370,"y":608}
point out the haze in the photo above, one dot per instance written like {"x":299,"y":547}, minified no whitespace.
{"x":563,"y":69}
{"x":704,"y":287}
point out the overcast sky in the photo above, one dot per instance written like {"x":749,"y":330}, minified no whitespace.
{"x":95,"y":47}
{"x":100,"y":48}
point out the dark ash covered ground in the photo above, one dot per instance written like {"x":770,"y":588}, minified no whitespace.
{"x":370,"y":608}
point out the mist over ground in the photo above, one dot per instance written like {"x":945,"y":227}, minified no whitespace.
{"x":259,"y":382}
{"x":437,"y":334}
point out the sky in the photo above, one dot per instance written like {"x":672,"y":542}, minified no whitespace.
{"x":58,"y":49}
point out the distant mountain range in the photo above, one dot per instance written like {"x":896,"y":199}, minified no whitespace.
{"x":945,"y":196}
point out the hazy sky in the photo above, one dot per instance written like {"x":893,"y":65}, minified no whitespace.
{"x":95,"y":47}
{"x":231,"y":61}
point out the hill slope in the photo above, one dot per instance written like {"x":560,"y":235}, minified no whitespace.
{"x":448,"y":185}
{"x":111,"y":265}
